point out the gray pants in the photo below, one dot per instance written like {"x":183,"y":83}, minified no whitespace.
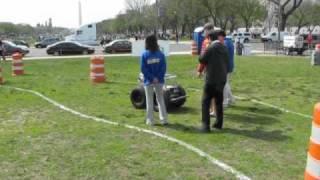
{"x":158,"y":89}
{"x":227,"y":93}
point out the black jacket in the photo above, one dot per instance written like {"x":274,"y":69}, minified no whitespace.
{"x":216,"y":59}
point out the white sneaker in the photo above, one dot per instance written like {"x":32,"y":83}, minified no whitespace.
{"x":149,"y":123}
{"x":164,"y":122}
{"x":213,"y":114}
{"x":232,"y":101}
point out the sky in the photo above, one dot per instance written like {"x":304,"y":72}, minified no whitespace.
{"x":64,"y":13}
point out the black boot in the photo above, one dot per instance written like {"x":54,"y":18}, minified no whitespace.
{"x":205,"y":129}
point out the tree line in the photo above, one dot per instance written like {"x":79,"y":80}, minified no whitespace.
{"x":28,"y":33}
{"x":183,"y":16}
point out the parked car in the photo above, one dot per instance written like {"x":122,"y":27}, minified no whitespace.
{"x":11,"y":48}
{"x":46,"y":42}
{"x":122,"y":46}
{"x":21,"y":43}
{"x":242,"y":37}
{"x":273,"y":37}
{"x":69,"y":48}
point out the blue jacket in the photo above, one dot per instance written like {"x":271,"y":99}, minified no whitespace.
{"x":228,"y":42}
{"x":153,"y":65}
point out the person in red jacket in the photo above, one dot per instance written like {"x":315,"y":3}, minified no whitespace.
{"x":208,"y":28}
{"x":206,"y":42}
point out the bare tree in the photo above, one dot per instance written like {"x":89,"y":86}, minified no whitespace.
{"x":137,"y":5}
{"x":251,"y":12}
{"x":221,"y":11}
{"x":286,"y":9}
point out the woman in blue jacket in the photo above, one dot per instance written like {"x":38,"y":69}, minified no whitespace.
{"x":153,"y":67}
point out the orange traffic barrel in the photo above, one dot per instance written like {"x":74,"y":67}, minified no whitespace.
{"x":1,"y":77}
{"x":97,"y":72}
{"x":318,"y":48}
{"x":17,"y":64}
{"x":313,"y":163}
{"x":194,"y":48}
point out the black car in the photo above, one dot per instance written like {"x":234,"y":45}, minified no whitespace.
{"x":69,"y":48}
{"x":11,"y":48}
{"x":46,"y":42}
{"x":118,"y":46}
{"x":21,"y":43}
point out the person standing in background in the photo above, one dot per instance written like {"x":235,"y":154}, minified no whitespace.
{"x":216,"y":59}
{"x":2,"y":51}
{"x":228,"y":98}
{"x":208,"y":28}
{"x":153,"y":67}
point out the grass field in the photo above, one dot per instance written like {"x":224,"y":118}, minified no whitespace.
{"x":39,"y":141}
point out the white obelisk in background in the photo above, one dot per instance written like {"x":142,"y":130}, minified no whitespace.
{"x":80,"y":14}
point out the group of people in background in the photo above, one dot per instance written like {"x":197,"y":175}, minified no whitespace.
{"x":216,"y":62}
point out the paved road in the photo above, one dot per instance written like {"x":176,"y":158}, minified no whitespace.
{"x":181,"y":48}
{"x":35,"y":52}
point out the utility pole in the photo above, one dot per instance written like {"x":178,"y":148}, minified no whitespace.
{"x":279,"y":25}
{"x":157,"y":15}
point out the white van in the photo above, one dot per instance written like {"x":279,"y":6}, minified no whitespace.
{"x":242,"y":37}
{"x":274,"y":36}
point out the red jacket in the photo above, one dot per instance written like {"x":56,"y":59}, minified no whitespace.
{"x":201,"y":67}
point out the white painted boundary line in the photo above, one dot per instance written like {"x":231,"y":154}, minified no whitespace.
{"x":198,"y":151}
{"x":267,"y":104}
{"x":279,"y":108}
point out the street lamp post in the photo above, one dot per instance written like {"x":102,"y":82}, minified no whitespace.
{"x":279,"y":26}
{"x":158,"y":17}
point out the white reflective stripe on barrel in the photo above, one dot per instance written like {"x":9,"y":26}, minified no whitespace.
{"x":315,"y":133}
{"x":17,"y":67}
{"x":313,"y":167}
{"x":97,"y":74}
{"x":97,"y":66}
{"x":17,"y":61}
{"x":97,"y":57}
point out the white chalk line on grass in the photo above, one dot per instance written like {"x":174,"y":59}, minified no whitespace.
{"x":196,"y":150}
{"x":266,"y":104}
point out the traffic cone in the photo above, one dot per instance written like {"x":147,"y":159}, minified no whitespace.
{"x":313,"y":164}
{"x":17,"y":64}
{"x":194,"y":48}
{"x":97,"y":72}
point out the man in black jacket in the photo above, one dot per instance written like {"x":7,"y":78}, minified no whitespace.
{"x":216,"y":59}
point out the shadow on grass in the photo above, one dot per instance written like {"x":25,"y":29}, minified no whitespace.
{"x":251,"y":118}
{"x":257,"y":109}
{"x":184,"y":128}
{"x":184,"y":110}
{"x":258,"y":133}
